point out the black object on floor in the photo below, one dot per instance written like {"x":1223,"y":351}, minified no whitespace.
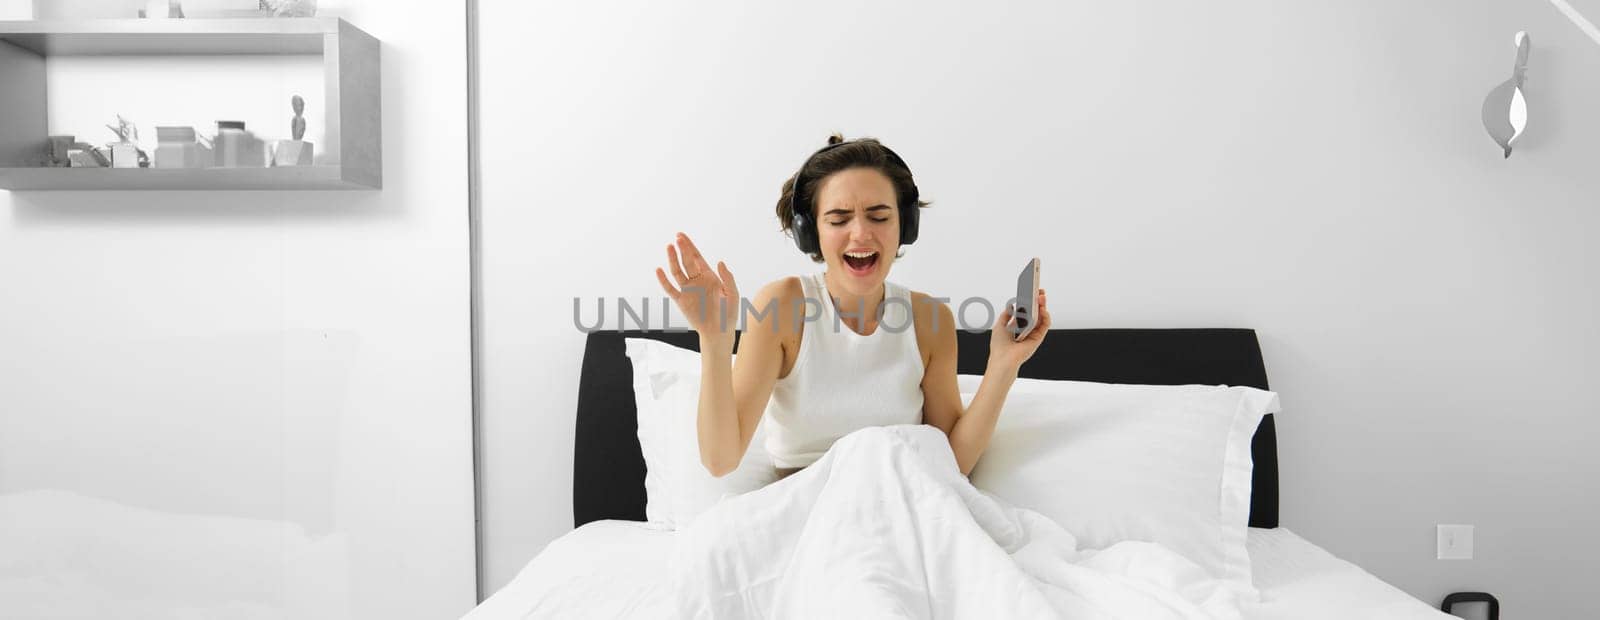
{"x":1472,"y":597}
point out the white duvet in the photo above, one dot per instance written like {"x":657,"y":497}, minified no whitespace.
{"x":885,"y":526}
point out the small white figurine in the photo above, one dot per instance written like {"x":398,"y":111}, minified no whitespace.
{"x":296,"y":152}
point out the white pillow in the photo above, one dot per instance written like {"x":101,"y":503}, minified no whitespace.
{"x":666,"y":388}
{"x":1168,"y":464}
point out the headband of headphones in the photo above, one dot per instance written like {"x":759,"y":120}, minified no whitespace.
{"x":804,"y":226}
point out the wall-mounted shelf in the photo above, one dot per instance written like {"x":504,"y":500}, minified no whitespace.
{"x":353,"y":148}
{"x":286,"y":177}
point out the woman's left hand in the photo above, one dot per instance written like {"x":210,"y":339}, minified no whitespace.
{"x":1008,"y":354}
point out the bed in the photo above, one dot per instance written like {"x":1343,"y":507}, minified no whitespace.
{"x":612,"y":564}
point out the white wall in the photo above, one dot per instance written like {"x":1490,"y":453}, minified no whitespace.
{"x":244,"y":404}
{"x":1316,"y":171}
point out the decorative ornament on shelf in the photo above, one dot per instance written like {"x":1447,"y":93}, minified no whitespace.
{"x":125,"y":152}
{"x":59,"y":152}
{"x":297,"y":125}
{"x":290,"y":8}
{"x":224,"y":9}
{"x":296,"y":152}
{"x":1505,"y":110}
{"x":178,"y":149}
{"x":237,"y":148}
{"x":162,"y":9}
{"x":83,"y":9}
{"x":85,"y":155}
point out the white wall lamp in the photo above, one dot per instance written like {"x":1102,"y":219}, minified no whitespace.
{"x":1505,"y":110}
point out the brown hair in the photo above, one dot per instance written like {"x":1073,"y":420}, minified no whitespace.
{"x":860,"y":153}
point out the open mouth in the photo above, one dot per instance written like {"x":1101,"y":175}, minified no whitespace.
{"x":860,"y":262}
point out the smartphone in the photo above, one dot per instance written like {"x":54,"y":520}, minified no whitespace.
{"x":1027,"y":302}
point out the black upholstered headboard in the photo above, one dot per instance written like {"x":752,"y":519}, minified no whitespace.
{"x":608,"y":473}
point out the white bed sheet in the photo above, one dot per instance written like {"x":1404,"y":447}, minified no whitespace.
{"x":614,"y":569}
{"x":1299,"y":580}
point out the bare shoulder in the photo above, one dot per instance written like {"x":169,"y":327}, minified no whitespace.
{"x":782,"y":289}
{"x":781,"y":294}
{"x":936,"y":326}
{"x":774,"y":307}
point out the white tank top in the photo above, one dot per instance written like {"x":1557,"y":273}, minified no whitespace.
{"x":843,"y":381}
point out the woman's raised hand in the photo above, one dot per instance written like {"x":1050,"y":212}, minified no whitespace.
{"x":1010,"y":354}
{"x":708,"y":299}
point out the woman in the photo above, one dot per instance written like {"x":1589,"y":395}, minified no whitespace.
{"x":851,"y":206}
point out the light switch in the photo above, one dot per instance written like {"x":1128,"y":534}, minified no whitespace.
{"x":1455,"y":542}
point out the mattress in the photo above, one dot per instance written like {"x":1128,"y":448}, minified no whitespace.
{"x":614,"y":569}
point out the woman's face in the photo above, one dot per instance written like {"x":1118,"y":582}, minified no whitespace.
{"x":858,"y":228}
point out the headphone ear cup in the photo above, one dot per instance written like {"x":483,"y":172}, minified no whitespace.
{"x":805,"y":235}
{"x":909,"y":217}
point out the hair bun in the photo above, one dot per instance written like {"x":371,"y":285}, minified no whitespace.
{"x":835,"y":139}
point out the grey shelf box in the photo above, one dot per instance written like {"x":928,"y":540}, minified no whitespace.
{"x":353,"y":149}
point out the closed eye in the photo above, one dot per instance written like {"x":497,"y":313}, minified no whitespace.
{"x":879,"y":220}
